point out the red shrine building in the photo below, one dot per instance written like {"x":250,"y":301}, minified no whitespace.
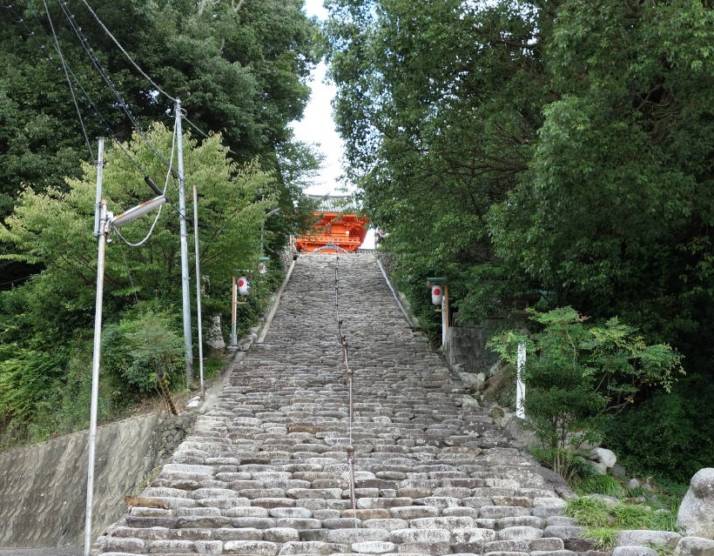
{"x":336,"y":223}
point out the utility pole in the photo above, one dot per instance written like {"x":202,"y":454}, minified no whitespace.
{"x":104,"y":221}
{"x":185,"y":286}
{"x":198,"y":290}
{"x":100,"y":231}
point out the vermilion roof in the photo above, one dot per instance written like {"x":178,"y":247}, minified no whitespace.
{"x":344,"y":230}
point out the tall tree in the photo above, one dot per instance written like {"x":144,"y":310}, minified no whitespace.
{"x":542,"y":152}
{"x":439,"y":103}
{"x":239,"y":67}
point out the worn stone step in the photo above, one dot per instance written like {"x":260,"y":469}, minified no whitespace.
{"x":265,"y":470}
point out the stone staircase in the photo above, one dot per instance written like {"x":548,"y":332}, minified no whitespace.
{"x":265,"y":471}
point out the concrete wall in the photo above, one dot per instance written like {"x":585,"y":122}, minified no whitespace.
{"x":467,"y":347}
{"x":42,"y":487}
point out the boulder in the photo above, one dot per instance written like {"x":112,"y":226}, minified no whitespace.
{"x":605,"y":456}
{"x":634,"y":483}
{"x":695,"y":546}
{"x":696,"y":512}
{"x":599,"y":467}
{"x":634,"y":551}
{"x":608,"y":501}
{"x":619,"y":471}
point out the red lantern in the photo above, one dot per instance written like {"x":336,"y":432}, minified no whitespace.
{"x":437,"y":295}
{"x":243,"y":285}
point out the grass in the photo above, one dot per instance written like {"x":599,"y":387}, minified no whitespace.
{"x":603,"y":537}
{"x":69,"y":411}
{"x":213,"y":365}
{"x":603,"y":523}
{"x":600,"y":484}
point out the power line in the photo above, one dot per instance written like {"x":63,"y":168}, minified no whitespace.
{"x":158,"y":213}
{"x":107,"y":124}
{"x":69,"y":82}
{"x":107,"y":80}
{"x":128,"y":56}
{"x":107,"y":127}
{"x":121,"y":102}
{"x":142,"y":72}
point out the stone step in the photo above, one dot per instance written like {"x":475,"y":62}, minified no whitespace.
{"x":265,"y":470}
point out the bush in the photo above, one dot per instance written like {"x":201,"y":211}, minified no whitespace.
{"x":26,"y":377}
{"x":570,"y":463}
{"x":577,"y":374}
{"x":669,"y":434}
{"x":144,"y":348}
{"x":600,"y":484}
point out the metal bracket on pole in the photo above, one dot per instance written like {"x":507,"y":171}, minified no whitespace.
{"x":185,"y":286}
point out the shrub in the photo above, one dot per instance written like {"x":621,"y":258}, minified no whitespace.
{"x":570,"y":463}
{"x":143,"y":348}
{"x":600,"y":484}
{"x":26,"y":377}
{"x":668,"y":434}
{"x":576,"y":374}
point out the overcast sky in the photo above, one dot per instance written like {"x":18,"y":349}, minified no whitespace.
{"x":317,"y":125}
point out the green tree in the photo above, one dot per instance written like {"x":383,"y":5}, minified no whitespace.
{"x":539,"y":153}
{"x":240,"y":69}
{"x":52,"y":312}
{"x":615,"y":212}
{"x":578,"y":374}
{"x":439,"y":103}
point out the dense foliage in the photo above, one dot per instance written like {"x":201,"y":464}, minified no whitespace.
{"x":239,"y":68}
{"x":542,"y":153}
{"x":580,"y":376}
{"x":46,"y":323}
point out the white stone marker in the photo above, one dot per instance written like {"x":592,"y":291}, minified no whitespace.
{"x":520,"y":385}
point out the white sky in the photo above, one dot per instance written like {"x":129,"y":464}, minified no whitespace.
{"x":317,"y":125}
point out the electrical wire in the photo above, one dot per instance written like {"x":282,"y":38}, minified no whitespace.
{"x":107,"y":124}
{"x":128,"y":56}
{"x":158,"y":212}
{"x":69,"y":82}
{"x":142,"y":72}
{"x":107,"y":127}
{"x":123,"y":105}
{"x":121,"y":102}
